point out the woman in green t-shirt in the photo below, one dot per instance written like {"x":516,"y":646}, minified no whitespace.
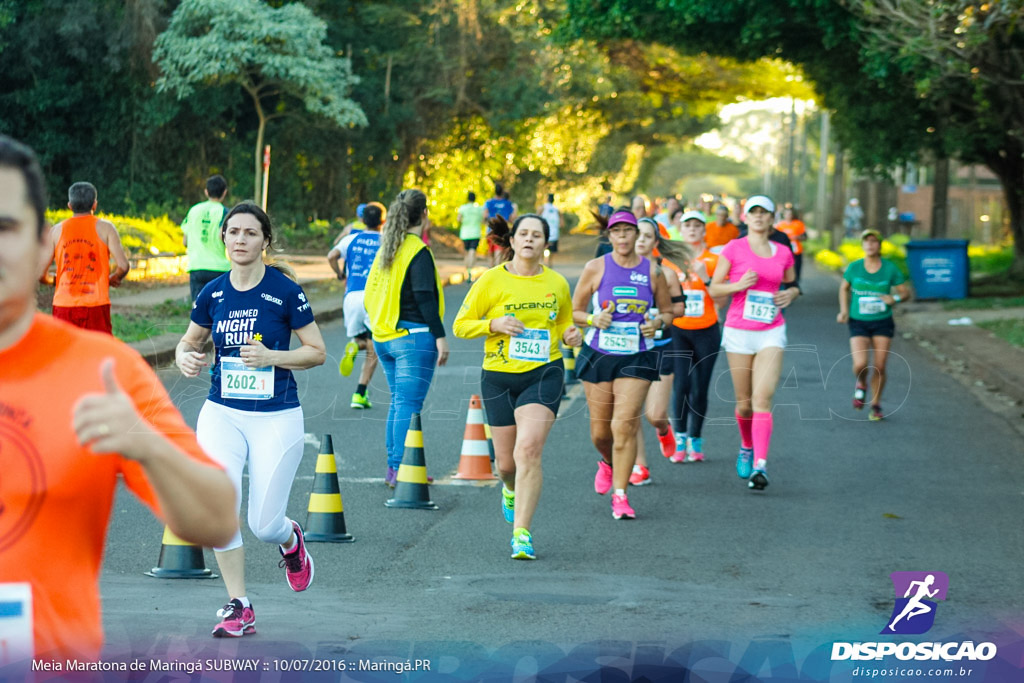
{"x":865,"y":304}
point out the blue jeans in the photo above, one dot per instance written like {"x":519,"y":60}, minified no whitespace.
{"x":408,"y":364}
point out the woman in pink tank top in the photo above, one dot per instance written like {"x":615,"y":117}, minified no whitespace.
{"x":752,"y":269}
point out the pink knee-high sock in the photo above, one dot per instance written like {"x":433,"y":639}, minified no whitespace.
{"x":746,"y":431}
{"x":762,"y":429}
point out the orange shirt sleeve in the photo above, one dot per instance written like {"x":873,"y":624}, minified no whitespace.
{"x":154,"y":405}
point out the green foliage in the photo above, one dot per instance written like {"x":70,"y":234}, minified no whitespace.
{"x":985,"y":302}
{"x":272,"y":53}
{"x":275,"y":55}
{"x":140,"y":237}
{"x":905,"y":78}
{"x":1011,"y":330}
{"x":148,"y":98}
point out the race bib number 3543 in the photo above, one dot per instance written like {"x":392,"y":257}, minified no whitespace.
{"x":532,"y":345}
{"x":238,"y":381}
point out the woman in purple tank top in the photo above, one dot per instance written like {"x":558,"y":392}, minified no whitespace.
{"x":617,"y":363}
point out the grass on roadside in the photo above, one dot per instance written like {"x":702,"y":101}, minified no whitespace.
{"x":133,"y":325}
{"x":1012,"y":330}
{"x":984,"y":302}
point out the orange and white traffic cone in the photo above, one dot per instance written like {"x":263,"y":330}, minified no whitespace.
{"x":475,"y":462}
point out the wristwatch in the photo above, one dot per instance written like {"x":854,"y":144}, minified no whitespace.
{"x":590,"y":320}
{"x":897,"y":298}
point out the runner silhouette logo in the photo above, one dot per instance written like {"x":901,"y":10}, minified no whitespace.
{"x":917,"y":594}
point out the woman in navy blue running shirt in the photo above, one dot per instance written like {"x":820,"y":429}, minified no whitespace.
{"x":252,"y":413}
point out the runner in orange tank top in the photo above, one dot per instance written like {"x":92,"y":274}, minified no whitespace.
{"x":697,"y":339}
{"x":721,"y":231}
{"x":796,"y":231}
{"x":82,"y":246}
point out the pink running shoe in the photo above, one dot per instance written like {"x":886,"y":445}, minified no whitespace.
{"x":859,"y":394}
{"x":641,"y":476}
{"x":678,"y":456}
{"x":236,"y":621}
{"x":298,"y":564}
{"x":696,"y":450}
{"x":668,"y":443}
{"x":603,"y":479}
{"x":621,"y":508}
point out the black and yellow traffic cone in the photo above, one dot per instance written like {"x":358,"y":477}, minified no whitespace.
{"x":180,"y":560}
{"x":412,"y":489}
{"x":569,"y":360}
{"x":325,"y":520}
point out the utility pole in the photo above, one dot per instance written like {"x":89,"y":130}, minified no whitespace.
{"x":791,"y":153}
{"x":821,"y":217}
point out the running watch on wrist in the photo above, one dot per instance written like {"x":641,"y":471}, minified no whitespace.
{"x":590,"y":320}
{"x":897,"y":298}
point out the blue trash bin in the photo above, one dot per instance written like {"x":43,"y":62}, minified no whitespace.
{"x":939,"y":268}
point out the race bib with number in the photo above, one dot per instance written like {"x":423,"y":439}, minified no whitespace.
{"x":238,"y":381}
{"x":694,"y":303}
{"x":532,"y":345}
{"x":16,"y":644}
{"x":760,"y":307}
{"x":870,"y":305}
{"x":620,"y":338}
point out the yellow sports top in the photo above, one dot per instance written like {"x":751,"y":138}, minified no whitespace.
{"x":543,"y":305}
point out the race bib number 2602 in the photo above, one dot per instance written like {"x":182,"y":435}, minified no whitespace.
{"x":238,"y":381}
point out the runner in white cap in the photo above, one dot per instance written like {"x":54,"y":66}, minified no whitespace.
{"x":752,"y":269}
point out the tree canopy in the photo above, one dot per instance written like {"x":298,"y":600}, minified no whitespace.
{"x":275,"y":55}
{"x":904,"y":78}
{"x":146,"y":98}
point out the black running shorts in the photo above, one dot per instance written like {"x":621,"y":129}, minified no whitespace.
{"x":596,"y":367}
{"x":872,"y":328}
{"x":503,"y":392}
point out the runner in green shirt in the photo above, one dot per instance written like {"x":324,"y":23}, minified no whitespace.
{"x":207,"y":259}
{"x":865,"y":304}
{"x":471,"y":220}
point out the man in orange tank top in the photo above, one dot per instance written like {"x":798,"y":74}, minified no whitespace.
{"x":721,"y":231}
{"x":79,"y":411}
{"x":82,"y":246}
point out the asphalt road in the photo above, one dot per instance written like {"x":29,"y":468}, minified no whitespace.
{"x":708,"y":566}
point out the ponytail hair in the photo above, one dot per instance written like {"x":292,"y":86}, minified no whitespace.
{"x":676,"y":252}
{"x":406,"y":211}
{"x":501,"y":234}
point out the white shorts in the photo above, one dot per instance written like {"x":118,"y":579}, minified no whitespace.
{"x":357,"y":320}
{"x":749,"y":342}
{"x":271,"y":444}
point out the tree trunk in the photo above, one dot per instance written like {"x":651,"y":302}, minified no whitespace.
{"x":838,"y":198}
{"x":1010,"y":170}
{"x":940,"y":201}
{"x":258,"y":158}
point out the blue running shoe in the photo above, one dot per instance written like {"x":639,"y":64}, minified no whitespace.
{"x":522,"y":545}
{"x":508,"y":504}
{"x":744,"y":463}
{"x":758,"y":480}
